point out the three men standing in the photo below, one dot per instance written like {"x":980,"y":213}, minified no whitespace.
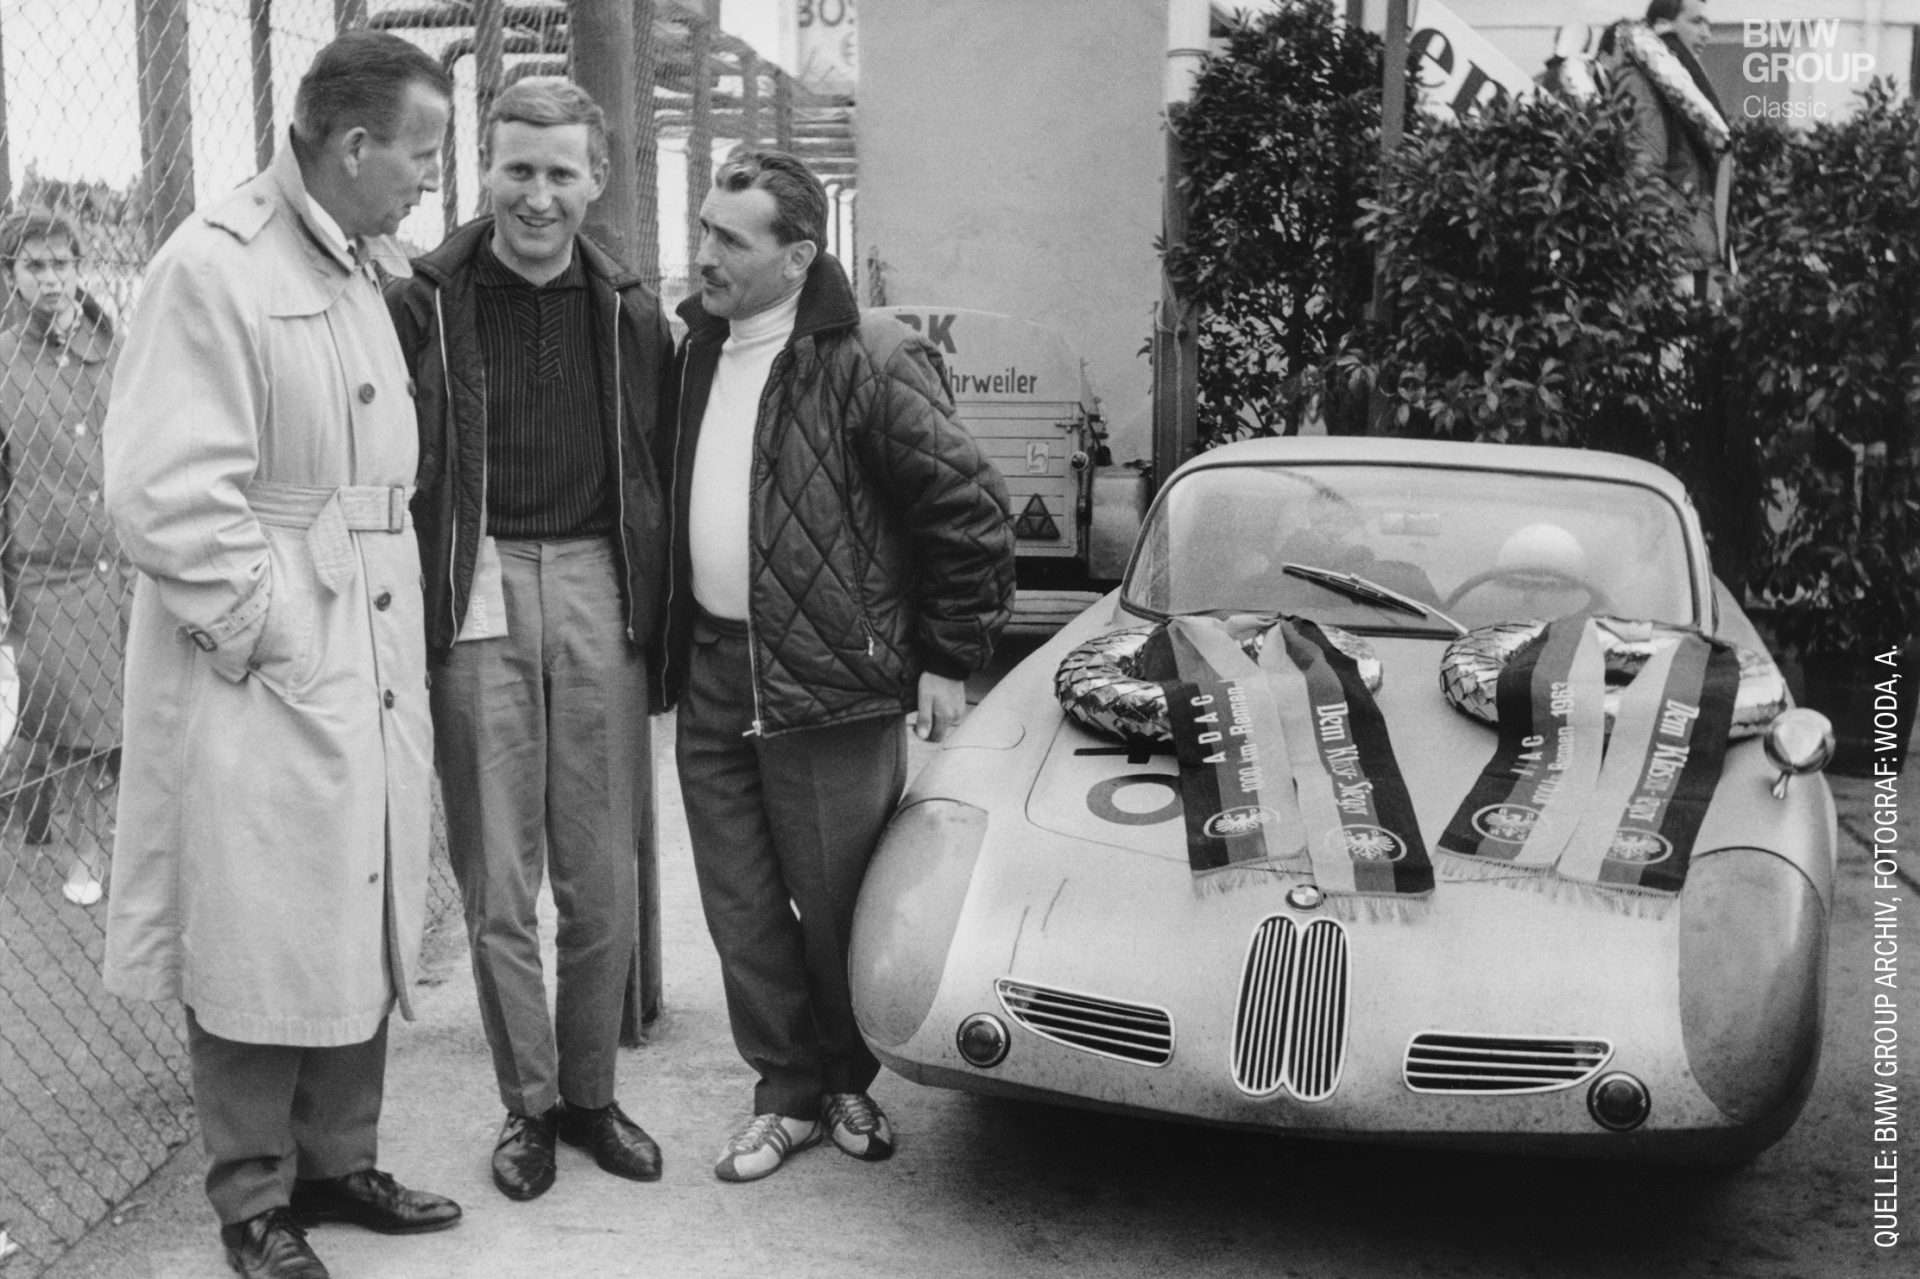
{"x":841,"y":554}
{"x":270,"y":862}
{"x":541,"y":371}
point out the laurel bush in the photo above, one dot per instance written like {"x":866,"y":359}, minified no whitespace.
{"x":1281,"y":138}
{"x":1824,"y":329}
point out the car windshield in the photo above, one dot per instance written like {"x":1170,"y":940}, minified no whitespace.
{"x":1480,"y":546}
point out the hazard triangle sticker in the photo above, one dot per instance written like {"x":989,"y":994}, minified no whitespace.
{"x":1034,"y":524}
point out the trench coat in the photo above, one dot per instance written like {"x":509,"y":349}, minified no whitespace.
{"x":270,"y":860}
{"x":67,"y":583}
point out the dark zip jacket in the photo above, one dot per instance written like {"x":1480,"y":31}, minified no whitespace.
{"x":878,"y":543}
{"x":434,"y":313}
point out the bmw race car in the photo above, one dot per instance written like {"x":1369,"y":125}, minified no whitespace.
{"x":1058,"y":911}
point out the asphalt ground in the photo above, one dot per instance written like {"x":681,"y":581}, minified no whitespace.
{"x":984,"y":1187}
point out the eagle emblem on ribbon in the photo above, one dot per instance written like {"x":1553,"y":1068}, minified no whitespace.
{"x":1640,"y":847}
{"x":1243,"y":820}
{"x":1507,"y":823}
{"x":1368,"y":844}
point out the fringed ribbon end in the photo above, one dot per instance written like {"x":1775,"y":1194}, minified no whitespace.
{"x":1380,"y":908}
{"x":1228,"y":879}
{"x":1466,"y":868}
{"x":1621,"y":899}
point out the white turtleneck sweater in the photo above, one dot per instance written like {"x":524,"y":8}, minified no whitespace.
{"x":723,"y":460}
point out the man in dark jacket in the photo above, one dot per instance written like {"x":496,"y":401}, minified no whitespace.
{"x":539,"y":366}
{"x":841,"y":555}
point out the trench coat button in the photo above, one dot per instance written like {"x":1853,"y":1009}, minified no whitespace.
{"x":388,"y":699}
{"x":374,"y":878}
{"x":382,"y":600}
{"x":366,"y":392}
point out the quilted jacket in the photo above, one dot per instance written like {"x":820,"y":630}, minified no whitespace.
{"x":879,"y":544}
{"x":434,"y":313}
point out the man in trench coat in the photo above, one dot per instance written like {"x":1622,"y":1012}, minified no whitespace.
{"x":271,"y":857}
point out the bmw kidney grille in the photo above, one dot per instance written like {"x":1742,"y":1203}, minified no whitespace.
{"x":1291,"y":1028}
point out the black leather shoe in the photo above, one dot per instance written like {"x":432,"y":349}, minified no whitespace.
{"x":372,"y":1199}
{"x":523,"y":1157}
{"x":270,"y":1246}
{"x":616,"y":1143}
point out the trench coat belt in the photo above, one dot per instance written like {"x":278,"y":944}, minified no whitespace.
{"x":330,"y":516}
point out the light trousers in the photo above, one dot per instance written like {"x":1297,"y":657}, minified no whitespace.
{"x":545,"y":764}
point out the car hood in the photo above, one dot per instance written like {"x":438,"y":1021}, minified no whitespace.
{"x":1097,"y":789}
{"x":1439,"y":750}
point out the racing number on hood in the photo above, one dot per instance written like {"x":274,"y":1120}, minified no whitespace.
{"x":1100,"y":799}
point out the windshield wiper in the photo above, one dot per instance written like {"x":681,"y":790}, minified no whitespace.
{"x":1372,"y":592}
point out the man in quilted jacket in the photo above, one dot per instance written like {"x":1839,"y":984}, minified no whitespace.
{"x":842,"y":555}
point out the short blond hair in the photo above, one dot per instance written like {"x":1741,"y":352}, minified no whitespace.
{"x":548,"y":101}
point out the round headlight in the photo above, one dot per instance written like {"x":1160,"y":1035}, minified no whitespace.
{"x":982,"y":1040}
{"x":1799,"y":741}
{"x":1618,"y":1102}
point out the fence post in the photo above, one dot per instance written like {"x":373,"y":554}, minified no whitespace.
{"x":602,"y":50}
{"x":699,"y":122}
{"x":260,"y":35}
{"x":646,"y":145}
{"x":749,"y":98}
{"x":1381,"y":409}
{"x":490,"y":60}
{"x":6,"y":146}
{"x":602,"y":46}
{"x":450,"y":152}
{"x":783,"y":110}
{"x":166,"y":115}
{"x":1176,"y":342}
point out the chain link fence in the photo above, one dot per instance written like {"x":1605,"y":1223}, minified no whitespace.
{"x":117,"y":118}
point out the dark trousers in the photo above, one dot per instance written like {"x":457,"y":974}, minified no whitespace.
{"x":545,"y":761}
{"x":273,"y":1112}
{"x":783,"y":829}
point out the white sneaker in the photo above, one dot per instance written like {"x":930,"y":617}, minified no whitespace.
{"x":763,"y":1145}
{"x":81,"y":888}
{"x":858,"y":1126}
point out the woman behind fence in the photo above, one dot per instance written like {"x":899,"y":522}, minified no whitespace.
{"x":68,"y":583}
